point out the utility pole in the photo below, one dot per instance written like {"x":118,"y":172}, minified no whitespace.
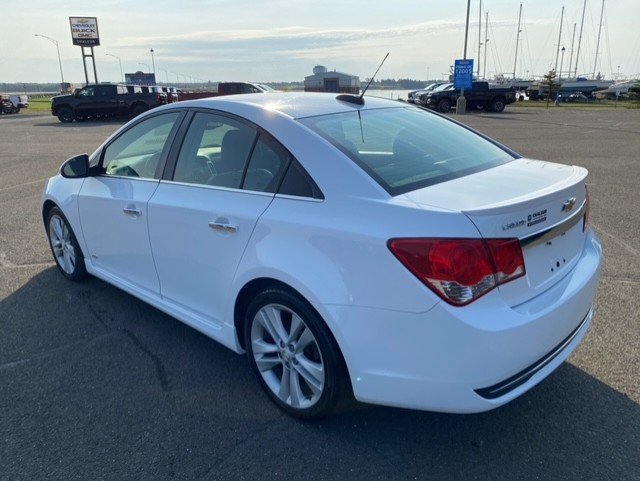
{"x":555,"y":69}
{"x":153,"y":62}
{"x":515,"y":59}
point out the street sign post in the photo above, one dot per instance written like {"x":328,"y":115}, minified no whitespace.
{"x":84,"y":33}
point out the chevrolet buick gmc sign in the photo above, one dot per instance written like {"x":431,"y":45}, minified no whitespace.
{"x":84,"y":31}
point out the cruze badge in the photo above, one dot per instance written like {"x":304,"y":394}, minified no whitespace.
{"x":568,"y":205}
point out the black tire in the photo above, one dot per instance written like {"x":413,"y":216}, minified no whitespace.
{"x":138,"y":109}
{"x":65,"y":115}
{"x":498,"y":104}
{"x":336,"y":380}
{"x":78,"y":270}
{"x":444,"y":106}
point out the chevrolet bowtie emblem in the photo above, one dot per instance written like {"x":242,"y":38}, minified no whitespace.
{"x":568,"y":205}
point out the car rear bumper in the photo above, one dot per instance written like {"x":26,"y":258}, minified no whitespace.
{"x":468,"y":359}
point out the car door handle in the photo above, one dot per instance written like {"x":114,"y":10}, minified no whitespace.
{"x":132,"y":210}
{"x":222,"y":225}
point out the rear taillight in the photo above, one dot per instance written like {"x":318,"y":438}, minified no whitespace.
{"x":461,"y":270}
{"x":585,"y":224}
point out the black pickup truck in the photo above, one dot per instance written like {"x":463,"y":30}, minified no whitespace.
{"x":480,"y":97}
{"x":104,"y":101}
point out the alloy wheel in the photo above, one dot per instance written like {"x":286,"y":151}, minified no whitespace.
{"x":62,"y":244}
{"x":287,"y":356}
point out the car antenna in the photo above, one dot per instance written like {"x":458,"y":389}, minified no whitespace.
{"x":359,"y":99}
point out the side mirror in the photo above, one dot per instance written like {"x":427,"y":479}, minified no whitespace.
{"x":76,"y":167}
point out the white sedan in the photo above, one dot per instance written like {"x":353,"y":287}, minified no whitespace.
{"x":348,"y":246}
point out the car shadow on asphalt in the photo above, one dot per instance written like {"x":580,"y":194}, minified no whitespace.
{"x":90,"y":372}
{"x":88,"y":124}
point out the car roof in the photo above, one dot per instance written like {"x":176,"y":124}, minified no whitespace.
{"x":292,"y":104}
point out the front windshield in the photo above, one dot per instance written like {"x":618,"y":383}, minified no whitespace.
{"x":405,"y":148}
{"x":266,"y":88}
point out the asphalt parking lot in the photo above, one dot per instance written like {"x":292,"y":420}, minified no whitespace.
{"x":95,"y":384}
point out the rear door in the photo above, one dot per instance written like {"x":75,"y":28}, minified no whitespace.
{"x":113,"y":205}
{"x":202,"y":216}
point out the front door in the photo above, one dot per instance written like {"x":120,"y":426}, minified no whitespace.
{"x":113,"y":206}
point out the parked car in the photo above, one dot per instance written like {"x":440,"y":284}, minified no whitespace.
{"x":346,"y":245}
{"x":480,"y":97}
{"x":576,"y":97}
{"x":414,"y":96}
{"x":421,"y":97}
{"x":104,"y":101}
{"x":12,"y":104}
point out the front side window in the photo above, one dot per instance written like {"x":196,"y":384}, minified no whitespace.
{"x":137,"y":152}
{"x":404,"y":149}
{"x":86,"y":92}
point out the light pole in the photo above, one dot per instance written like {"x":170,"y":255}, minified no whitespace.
{"x":145,"y":64}
{"x":55,"y":42}
{"x":461,"y":103}
{"x":153,"y":62}
{"x":119,"y":62}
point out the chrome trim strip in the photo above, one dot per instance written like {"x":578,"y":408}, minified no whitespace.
{"x":554,"y":230}
{"x":508,"y":385}
{"x":108,"y":176}
{"x":295,"y":197}
{"x":220,"y":188}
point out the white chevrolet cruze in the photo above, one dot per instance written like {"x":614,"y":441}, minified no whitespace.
{"x":350,"y":248}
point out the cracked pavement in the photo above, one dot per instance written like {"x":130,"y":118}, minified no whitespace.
{"x":95,"y":384}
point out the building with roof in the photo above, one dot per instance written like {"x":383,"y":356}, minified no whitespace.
{"x":325,"y":81}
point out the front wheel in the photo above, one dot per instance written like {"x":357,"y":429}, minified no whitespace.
{"x":64,"y":246}
{"x":65,"y":115}
{"x":294,"y":356}
{"x":444,"y":106}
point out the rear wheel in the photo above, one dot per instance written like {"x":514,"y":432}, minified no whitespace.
{"x":497,"y":104}
{"x":138,"y":109}
{"x":294,"y":356}
{"x":444,"y":106}
{"x":65,"y":115}
{"x":64,"y":246}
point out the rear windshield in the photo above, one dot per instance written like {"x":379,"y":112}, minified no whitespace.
{"x":405,"y":149}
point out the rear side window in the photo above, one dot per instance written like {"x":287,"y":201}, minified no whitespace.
{"x":298,"y":183}
{"x":404,"y":149}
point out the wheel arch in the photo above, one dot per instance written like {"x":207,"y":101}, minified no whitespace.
{"x":257,"y":285}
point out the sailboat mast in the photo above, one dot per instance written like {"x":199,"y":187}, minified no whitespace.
{"x":555,"y":69}
{"x":584,"y":8}
{"x":573,"y":38}
{"x":486,"y":45}
{"x":515,"y":59}
{"x":479,"y":36}
{"x":595,"y":63}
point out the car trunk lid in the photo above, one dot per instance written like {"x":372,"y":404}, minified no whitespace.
{"x":540,"y":203}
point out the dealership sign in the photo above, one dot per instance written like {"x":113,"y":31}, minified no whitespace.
{"x":84,"y":31}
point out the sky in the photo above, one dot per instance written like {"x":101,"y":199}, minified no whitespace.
{"x":277,"y":40}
